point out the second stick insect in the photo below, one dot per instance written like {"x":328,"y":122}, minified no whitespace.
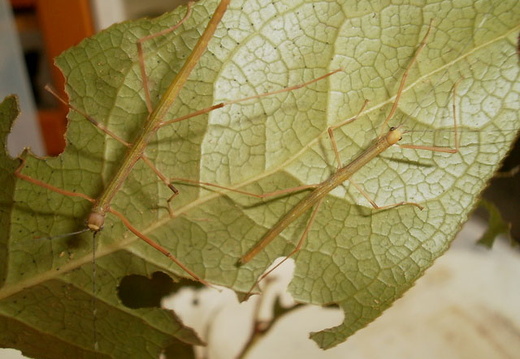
{"x":344,"y":172}
{"x":155,"y":121}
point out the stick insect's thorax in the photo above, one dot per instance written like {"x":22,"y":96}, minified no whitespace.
{"x":379,"y":145}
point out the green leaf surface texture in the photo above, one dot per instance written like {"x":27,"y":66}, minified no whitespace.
{"x":356,"y":257}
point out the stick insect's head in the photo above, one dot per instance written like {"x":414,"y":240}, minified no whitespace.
{"x":95,"y":221}
{"x":394,"y":135}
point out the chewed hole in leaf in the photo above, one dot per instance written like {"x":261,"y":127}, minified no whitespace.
{"x":137,"y":291}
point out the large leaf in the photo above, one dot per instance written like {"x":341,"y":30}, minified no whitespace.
{"x":356,"y":257}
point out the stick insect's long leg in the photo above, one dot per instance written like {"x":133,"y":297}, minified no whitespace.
{"x":223,"y":104}
{"x":157,"y":246}
{"x":385,"y":124}
{"x":331,"y":129}
{"x":295,"y":250}
{"x":140,"y":52}
{"x":456,"y":139}
{"x":169,"y":183}
{"x":89,"y":118}
{"x":104,"y":129}
{"x":20,"y":175}
{"x":421,"y":46}
{"x":454,"y":149}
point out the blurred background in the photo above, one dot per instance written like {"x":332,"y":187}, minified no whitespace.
{"x":33,"y":33}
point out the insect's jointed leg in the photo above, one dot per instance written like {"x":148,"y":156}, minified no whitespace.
{"x":140,"y":53}
{"x":295,"y":250}
{"x":18,"y":173}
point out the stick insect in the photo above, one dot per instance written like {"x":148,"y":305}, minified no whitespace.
{"x":155,"y":121}
{"x":343,"y":173}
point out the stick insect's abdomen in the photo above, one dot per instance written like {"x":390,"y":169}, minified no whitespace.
{"x":382,"y":143}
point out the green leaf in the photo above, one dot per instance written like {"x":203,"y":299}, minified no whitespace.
{"x":496,"y":224}
{"x":357,"y":257}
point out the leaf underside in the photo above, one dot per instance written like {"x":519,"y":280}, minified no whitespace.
{"x":356,"y":257}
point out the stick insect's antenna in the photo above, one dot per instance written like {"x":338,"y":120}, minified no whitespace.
{"x":70,"y":234}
